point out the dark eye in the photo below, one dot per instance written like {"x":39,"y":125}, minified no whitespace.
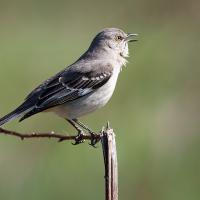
{"x":119,"y":37}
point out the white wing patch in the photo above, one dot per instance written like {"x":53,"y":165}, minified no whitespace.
{"x":84,"y":91}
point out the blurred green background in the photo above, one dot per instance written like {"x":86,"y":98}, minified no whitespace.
{"x":155,"y":110}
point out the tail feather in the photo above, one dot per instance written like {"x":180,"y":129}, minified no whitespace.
{"x":28,"y":114}
{"x":24,"y":108}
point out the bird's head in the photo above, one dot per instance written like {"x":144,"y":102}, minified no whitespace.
{"x":114,"y":40}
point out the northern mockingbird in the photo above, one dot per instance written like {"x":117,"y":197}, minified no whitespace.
{"x":84,"y":86}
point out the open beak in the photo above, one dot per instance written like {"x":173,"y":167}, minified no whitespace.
{"x":130,"y":38}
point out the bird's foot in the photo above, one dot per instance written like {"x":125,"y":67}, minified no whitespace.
{"x":79,"y":138}
{"x":94,"y":139}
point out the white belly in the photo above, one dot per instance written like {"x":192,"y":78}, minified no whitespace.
{"x":88,"y":103}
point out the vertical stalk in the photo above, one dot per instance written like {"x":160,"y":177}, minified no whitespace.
{"x":110,"y":163}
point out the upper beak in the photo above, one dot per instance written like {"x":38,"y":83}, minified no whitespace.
{"x":130,"y":38}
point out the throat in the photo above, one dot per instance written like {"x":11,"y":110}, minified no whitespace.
{"x":122,"y":59}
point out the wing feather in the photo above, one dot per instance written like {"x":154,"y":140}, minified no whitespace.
{"x":69,"y":85}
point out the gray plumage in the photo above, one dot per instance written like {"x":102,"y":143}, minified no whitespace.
{"x":84,"y":86}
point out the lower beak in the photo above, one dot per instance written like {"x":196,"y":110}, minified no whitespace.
{"x":130,"y":38}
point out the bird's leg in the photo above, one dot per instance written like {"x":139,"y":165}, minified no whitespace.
{"x":79,"y":138}
{"x":83,"y":125}
{"x":94,"y":139}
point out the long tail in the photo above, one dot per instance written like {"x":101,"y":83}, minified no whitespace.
{"x":22,"y":109}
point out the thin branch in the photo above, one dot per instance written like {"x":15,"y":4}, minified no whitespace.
{"x":57,"y":136}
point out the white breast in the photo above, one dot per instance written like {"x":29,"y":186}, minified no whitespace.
{"x":89,"y":103}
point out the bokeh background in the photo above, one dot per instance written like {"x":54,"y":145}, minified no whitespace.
{"x":155,"y":110}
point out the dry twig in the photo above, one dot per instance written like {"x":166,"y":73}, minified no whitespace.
{"x":57,"y":136}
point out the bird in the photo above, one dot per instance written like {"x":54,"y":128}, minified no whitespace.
{"x":82,"y":87}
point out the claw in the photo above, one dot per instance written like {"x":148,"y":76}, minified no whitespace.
{"x":79,"y":138}
{"x":94,"y":140}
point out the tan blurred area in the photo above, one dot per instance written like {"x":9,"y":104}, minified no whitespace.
{"x":155,"y":110}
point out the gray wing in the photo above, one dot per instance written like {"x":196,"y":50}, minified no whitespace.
{"x":69,"y":85}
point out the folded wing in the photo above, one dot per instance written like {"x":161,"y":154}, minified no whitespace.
{"x":68,"y":85}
